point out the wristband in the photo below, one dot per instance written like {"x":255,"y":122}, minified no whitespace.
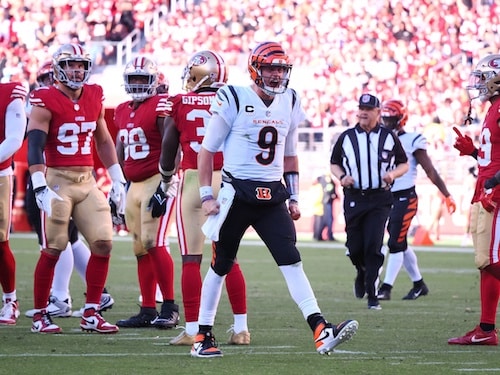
{"x":206,"y":193}
{"x":164,"y":172}
{"x":116,"y":173}
{"x":38,"y":180}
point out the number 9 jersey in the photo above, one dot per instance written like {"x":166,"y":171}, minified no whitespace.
{"x":70,"y":136}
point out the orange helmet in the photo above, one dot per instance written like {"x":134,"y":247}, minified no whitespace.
{"x":394,"y":114}
{"x":45,"y":75}
{"x":269,"y":54}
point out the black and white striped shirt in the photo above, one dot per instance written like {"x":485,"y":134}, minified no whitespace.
{"x":367,"y":157}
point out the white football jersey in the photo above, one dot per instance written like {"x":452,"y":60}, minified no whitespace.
{"x":411,"y":142}
{"x":254,"y":148}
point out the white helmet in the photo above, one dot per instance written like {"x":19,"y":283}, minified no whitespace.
{"x":141,"y":67}
{"x":484,"y":81}
{"x":62,"y":73}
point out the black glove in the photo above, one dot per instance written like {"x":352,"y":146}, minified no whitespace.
{"x":118,"y":219}
{"x":158,"y":203}
{"x":491,"y":183}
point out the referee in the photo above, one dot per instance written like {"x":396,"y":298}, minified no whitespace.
{"x":366,"y":159}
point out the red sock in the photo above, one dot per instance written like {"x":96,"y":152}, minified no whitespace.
{"x":494,"y":269}
{"x":7,"y":268}
{"x":147,"y":281}
{"x":490,"y":295}
{"x":44,"y":273}
{"x":191,"y":290}
{"x":237,"y":290}
{"x":96,"y":275}
{"x":163,"y":266}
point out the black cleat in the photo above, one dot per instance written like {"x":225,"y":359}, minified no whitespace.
{"x":145,"y":318}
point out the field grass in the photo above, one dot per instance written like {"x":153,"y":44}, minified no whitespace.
{"x":405,"y":337}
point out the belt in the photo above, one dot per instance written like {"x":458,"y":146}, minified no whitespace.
{"x":366,"y":191}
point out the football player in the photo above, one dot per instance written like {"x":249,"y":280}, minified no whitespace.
{"x":257,"y":126}
{"x":484,"y":84}
{"x":187,"y":115}
{"x":77,"y":253}
{"x":66,"y":122}
{"x":12,"y":129}
{"x":394,"y":116}
{"x":149,"y":203}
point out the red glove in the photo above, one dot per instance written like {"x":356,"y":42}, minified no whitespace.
{"x":463,"y":143}
{"x":451,"y":206}
{"x":486,"y":199}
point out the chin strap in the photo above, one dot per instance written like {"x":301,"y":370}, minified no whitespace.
{"x":468,"y":119}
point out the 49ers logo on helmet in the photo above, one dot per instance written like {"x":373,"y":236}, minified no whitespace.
{"x":199,"y":60}
{"x":263,"y":193}
{"x":494,"y":63}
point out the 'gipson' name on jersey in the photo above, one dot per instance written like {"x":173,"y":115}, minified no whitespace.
{"x":197,"y":99}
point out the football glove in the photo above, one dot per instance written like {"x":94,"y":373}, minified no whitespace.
{"x":118,"y":195}
{"x":463,"y":143}
{"x":44,"y":196}
{"x":158,"y":203}
{"x":486,"y":199}
{"x":117,"y":218}
{"x":451,"y":206}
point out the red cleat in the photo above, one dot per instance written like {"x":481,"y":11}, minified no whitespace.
{"x":476,"y":337}
{"x":92,"y":321}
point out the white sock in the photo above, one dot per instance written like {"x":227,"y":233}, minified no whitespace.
{"x":62,"y":274}
{"x":240,"y":323}
{"x":12,"y":296}
{"x":300,"y":289}
{"x":210,"y":297}
{"x":191,"y":328}
{"x":81,"y":254}
{"x":392,"y":268}
{"x":411,"y":264}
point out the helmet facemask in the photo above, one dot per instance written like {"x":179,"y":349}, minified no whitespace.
{"x":147,"y":70}
{"x":484,"y":81}
{"x":65,"y":73}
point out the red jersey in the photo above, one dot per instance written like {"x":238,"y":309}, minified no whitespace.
{"x":70,"y":140}
{"x":140,"y":136}
{"x":8,"y":93}
{"x":488,"y":156}
{"x":190,"y":113}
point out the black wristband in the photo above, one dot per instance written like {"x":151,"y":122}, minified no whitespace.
{"x":39,"y":189}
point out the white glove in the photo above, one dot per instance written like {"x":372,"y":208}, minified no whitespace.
{"x":44,"y":199}
{"x":118,"y":195}
{"x":170,"y":187}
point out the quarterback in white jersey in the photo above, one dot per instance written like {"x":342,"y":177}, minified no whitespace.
{"x":257,"y":127}
{"x":394,"y":116}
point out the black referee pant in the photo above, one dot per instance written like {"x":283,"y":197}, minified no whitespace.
{"x":366,"y":213}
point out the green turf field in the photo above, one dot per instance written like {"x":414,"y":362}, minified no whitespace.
{"x":405,"y":337}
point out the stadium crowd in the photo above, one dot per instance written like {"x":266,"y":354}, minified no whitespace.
{"x":420,"y":50}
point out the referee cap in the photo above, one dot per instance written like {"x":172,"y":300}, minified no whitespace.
{"x":368,"y":100}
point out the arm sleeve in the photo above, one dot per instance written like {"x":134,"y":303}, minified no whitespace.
{"x":15,"y":128}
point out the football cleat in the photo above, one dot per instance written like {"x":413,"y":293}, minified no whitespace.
{"x":182,"y":339}
{"x":476,"y":337}
{"x":55,"y":308}
{"x":384,"y":293}
{"x":359,"y":285}
{"x":168,"y":317}
{"x":242,"y":338}
{"x":9,"y":313}
{"x":42,"y":323}
{"x":416,"y":292}
{"x":92,"y":321}
{"x":327,"y":336}
{"x":144,"y":319}
{"x":205,"y":346}
{"x":106,"y":303}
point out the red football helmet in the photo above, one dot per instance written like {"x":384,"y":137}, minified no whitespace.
{"x":394,"y":114}
{"x":45,"y":75}
{"x":269,"y":54}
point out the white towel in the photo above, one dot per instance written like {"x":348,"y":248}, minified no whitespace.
{"x":212,"y":226}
